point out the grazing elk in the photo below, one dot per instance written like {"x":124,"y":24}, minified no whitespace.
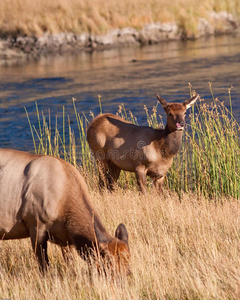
{"x":46,"y":198}
{"x":120,"y":145}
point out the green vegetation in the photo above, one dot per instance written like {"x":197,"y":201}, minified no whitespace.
{"x":20,"y":17}
{"x":208,"y":163}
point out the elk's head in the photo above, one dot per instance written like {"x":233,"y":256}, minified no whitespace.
{"x":115,"y":252}
{"x":176,"y":112}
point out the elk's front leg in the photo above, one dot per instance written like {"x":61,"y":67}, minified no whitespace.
{"x":39,"y":238}
{"x":141,"y":175}
{"x":158,"y":183}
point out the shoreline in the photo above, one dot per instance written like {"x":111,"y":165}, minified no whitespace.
{"x":69,"y":43}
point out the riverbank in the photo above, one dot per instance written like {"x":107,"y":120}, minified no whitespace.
{"x":28,"y":47}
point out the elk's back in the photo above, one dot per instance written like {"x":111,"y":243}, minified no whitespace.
{"x":29,"y":188}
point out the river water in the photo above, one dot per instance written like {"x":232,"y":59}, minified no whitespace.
{"x":129,"y":75}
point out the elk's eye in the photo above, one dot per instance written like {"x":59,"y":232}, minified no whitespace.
{"x":170,"y":115}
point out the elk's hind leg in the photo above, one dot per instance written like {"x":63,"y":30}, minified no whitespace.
{"x":108,"y":174}
{"x":102,"y":173}
{"x":113,"y":173}
{"x":39,"y":238}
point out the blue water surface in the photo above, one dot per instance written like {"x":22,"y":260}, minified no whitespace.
{"x":130,"y":75}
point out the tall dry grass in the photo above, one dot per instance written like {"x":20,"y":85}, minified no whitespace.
{"x":179,"y":250}
{"x":98,"y":16}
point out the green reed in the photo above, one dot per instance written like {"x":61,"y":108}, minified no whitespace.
{"x":207,"y":164}
{"x":209,"y":161}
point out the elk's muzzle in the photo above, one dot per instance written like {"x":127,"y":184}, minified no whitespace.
{"x":180,"y":125}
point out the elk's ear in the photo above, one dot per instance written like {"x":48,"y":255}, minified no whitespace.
{"x":101,"y":238}
{"x":99,"y":231}
{"x":121,"y":233}
{"x":163,"y":102}
{"x":188,"y":103}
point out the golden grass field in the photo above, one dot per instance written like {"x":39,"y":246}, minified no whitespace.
{"x":179,"y":250}
{"x":98,"y":16}
{"x":184,"y":245}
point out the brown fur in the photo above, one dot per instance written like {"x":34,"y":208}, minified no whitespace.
{"x":44,"y":198}
{"x":120,"y":145}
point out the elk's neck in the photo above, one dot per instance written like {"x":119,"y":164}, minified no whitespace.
{"x":84,"y":224}
{"x":88,"y":238}
{"x":173,"y":140}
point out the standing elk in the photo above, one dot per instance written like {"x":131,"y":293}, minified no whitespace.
{"x":120,"y":145}
{"x":46,"y":198}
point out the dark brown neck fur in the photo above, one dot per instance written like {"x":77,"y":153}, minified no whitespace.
{"x":168,"y":142}
{"x":173,"y":142}
{"x":81,"y":219}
